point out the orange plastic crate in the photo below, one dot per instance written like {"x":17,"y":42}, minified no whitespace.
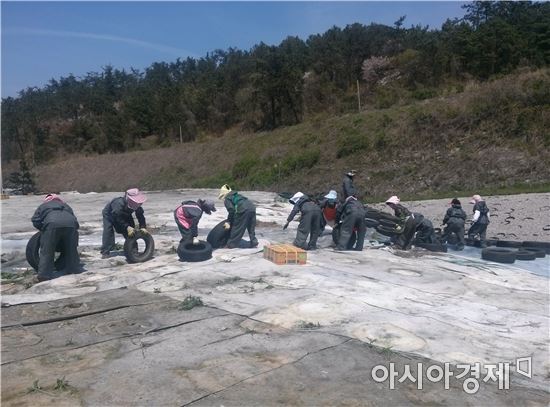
{"x":285,"y":254}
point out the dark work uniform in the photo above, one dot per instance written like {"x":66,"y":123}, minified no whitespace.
{"x":415,"y":227}
{"x":480,"y":226}
{"x":348,"y":188}
{"x":352,"y":215}
{"x":455,"y":219}
{"x":187,"y":217}
{"x":408,"y":222}
{"x":116,"y":218}
{"x":425,"y":232}
{"x":242,"y":217}
{"x":59,"y":229}
{"x":310,"y":223}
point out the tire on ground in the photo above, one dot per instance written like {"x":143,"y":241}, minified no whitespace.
{"x":539,"y":245}
{"x":499,"y":255}
{"x":387,"y":223}
{"x":525,"y":255}
{"x":195,"y":252}
{"x":389,"y":216}
{"x":541,"y":253}
{"x":372,"y":214}
{"x":433,"y":247}
{"x":387,"y":231}
{"x":131,"y":248}
{"x":509,"y":243}
{"x":32,"y":253}
{"x":371,"y":223}
{"x":218,"y":236}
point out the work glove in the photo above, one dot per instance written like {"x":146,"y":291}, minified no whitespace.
{"x":195,"y":240}
{"x":131,"y":231}
{"x":285,"y":226}
{"x":226,"y":226}
{"x":144,"y":231}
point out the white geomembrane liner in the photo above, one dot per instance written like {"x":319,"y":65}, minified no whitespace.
{"x":450,"y":307}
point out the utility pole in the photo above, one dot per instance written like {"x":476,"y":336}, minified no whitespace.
{"x":181,"y":138}
{"x":358,"y":96}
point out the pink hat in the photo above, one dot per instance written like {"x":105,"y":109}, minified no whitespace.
{"x":52,"y":197}
{"x":135,"y":198}
{"x":393,"y":200}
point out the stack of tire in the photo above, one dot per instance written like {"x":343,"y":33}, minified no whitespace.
{"x":384,"y":223}
{"x":507,"y":251}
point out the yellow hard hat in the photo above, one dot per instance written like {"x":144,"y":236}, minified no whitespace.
{"x":224,"y":190}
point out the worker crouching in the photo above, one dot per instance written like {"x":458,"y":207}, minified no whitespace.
{"x":310,"y":221}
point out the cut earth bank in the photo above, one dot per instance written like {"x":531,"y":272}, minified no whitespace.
{"x":269,"y":334}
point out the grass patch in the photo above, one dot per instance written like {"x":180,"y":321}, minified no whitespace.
{"x":61,"y":384}
{"x":213,"y":181}
{"x":351,"y":143}
{"x":307,"y":325}
{"x":190,"y":302}
{"x":8,"y":276}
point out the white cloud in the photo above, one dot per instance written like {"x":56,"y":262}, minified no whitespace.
{"x":104,"y":37}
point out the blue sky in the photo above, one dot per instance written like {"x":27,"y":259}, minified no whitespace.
{"x":44,"y":40}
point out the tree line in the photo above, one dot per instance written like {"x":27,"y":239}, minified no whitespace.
{"x":271,"y":85}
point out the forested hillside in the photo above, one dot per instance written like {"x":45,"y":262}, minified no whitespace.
{"x":474,"y":85}
{"x":492,"y":137}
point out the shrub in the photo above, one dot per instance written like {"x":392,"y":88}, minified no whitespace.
{"x":243,"y":168}
{"x":305,"y":159}
{"x":351,"y":144}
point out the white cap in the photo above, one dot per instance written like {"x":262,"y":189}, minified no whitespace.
{"x":331,"y":194}
{"x":295,"y":198}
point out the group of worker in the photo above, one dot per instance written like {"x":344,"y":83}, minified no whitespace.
{"x":59,"y":226}
{"x":348,"y":216}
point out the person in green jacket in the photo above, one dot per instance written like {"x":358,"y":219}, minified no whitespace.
{"x":241,"y":217}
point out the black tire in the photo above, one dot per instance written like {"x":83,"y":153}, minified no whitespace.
{"x":387,"y":231}
{"x":387,"y":223}
{"x":475,"y":243}
{"x":525,"y":255}
{"x":371,"y":223}
{"x":491,"y":242}
{"x":433,"y":247}
{"x":389,"y":216}
{"x":538,"y":245}
{"x":218,"y":236}
{"x":32,"y":253}
{"x":509,"y":243}
{"x":195,"y":252}
{"x":131,"y":248}
{"x":499,"y":255}
{"x":538,"y":252}
{"x":372,"y":214}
